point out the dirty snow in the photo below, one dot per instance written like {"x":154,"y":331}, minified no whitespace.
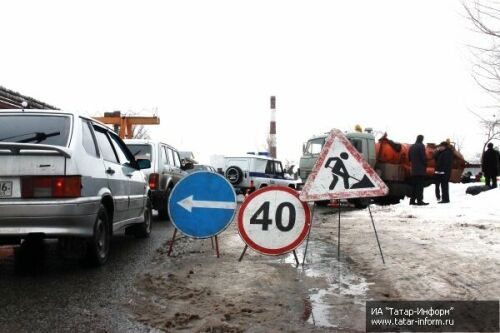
{"x":440,"y":251}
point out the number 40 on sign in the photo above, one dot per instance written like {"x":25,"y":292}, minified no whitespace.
{"x":273,"y":220}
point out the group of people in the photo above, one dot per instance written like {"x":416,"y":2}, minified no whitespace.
{"x":443,"y":156}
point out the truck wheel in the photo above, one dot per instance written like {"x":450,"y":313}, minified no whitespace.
{"x":98,"y":245}
{"x":234,"y":175}
{"x":360,"y":202}
{"x":143,"y":230}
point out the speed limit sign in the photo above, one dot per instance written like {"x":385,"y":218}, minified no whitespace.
{"x":273,"y":220}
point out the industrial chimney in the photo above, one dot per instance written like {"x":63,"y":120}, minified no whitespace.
{"x":272,"y":129}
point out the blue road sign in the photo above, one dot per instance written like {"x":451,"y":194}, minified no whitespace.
{"x":202,"y":204}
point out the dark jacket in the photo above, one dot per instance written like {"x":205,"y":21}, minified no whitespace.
{"x":418,"y":159}
{"x":490,"y":162}
{"x":444,"y":161}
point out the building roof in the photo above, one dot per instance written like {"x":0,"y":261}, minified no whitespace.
{"x":13,"y":100}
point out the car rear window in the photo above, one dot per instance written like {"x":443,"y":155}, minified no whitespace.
{"x":42,"y":129}
{"x":140,"y":151}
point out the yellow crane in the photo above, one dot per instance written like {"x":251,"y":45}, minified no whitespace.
{"x":125,"y":123}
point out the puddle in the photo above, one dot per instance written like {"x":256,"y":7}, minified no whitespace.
{"x":342,"y":302}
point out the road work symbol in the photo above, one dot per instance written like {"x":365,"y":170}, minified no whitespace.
{"x":341,"y":172}
{"x":339,"y":169}
{"x":202,"y":204}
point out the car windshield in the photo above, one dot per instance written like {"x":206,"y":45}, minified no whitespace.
{"x":42,"y":129}
{"x":140,"y":151}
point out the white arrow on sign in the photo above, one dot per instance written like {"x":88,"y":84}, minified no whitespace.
{"x":188,"y":204}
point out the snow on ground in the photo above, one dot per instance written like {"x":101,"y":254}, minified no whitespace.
{"x":437,"y":251}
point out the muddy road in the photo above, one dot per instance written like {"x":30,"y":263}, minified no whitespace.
{"x":429,"y":256}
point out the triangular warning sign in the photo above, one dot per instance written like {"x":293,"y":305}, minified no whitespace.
{"x":341,"y":172}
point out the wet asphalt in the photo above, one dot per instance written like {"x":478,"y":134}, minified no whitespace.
{"x":62,"y":295}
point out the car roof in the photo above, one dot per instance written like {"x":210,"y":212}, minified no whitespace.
{"x":145,"y":141}
{"x":51,"y":112}
{"x":260,"y":157}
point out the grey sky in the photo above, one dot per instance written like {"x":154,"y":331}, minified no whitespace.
{"x":209,"y":67}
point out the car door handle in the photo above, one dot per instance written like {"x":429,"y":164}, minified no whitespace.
{"x":129,"y":175}
{"x":110,"y":171}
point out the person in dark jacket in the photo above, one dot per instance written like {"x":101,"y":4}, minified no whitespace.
{"x":444,"y":161}
{"x":490,"y":166}
{"x":418,"y":161}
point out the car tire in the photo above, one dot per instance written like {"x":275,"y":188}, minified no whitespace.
{"x":143,"y":230}
{"x":163,"y":209}
{"x":234,"y":174}
{"x":98,"y":245}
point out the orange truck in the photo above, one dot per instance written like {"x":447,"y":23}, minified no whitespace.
{"x":388,"y":158}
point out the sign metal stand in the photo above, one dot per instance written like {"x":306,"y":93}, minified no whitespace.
{"x":274,"y":221}
{"x":201,"y":206}
{"x":341,"y":173}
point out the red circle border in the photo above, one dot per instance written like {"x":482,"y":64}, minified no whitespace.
{"x":274,"y":252}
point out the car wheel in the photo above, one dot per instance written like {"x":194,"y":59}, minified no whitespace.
{"x":163,"y":209}
{"x":98,"y":245}
{"x":234,"y":174}
{"x":144,"y":229}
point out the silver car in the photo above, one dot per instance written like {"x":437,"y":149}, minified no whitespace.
{"x":68,"y":177}
{"x":165,"y":171}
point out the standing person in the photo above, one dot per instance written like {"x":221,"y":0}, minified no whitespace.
{"x":418,"y":161}
{"x":435,"y":156}
{"x":490,"y":166}
{"x":444,"y":163}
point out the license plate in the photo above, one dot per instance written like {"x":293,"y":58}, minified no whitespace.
{"x":5,"y":189}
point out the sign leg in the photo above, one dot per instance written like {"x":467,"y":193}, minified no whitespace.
{"x":296,"y":258}
{"x":217,"y":246}
{"x":376,"y":236}
{"x":308,"y":236}
{"x":172,"y":242}
{"x":243,"y":253}
{"x":338,"y":234}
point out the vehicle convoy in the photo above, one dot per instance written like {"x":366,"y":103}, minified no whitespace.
{"x":388,"y":158}
{"x":165,"y":171}
{"x":71,"y":178}
{"x":250,"y":172}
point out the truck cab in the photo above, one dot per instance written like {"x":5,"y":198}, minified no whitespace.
{"x":364,"y":142}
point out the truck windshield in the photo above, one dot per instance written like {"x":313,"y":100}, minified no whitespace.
{"x":42,"y":129}
{"x":314,"y":146}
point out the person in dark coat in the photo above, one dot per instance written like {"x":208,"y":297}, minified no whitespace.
{"x":490,"y":166}
{"x":435,"y":156}
{"x":418,"y":160}
{"x":444,"y":161}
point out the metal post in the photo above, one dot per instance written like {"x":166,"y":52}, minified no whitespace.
{"x":243,"y":253}
{"x":172,"y":242}
{"x":217,"y":246}
{"x":338,"y":235}
{"x":376,"y":236}
{"x":296,"y":259}
{"x":308,"y":235}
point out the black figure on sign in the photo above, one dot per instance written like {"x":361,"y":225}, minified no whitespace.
{"x":338,"y":169}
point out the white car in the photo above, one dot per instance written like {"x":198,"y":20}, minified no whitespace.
{"x":250,"y":172}
{"x":68,"y":177}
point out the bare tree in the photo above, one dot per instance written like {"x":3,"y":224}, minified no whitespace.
{"x":485,"y":16}
{"x":140,"y":132}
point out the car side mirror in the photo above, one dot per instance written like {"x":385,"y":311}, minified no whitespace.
{"x":186,"y":165}
{"x":143,"y":163}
